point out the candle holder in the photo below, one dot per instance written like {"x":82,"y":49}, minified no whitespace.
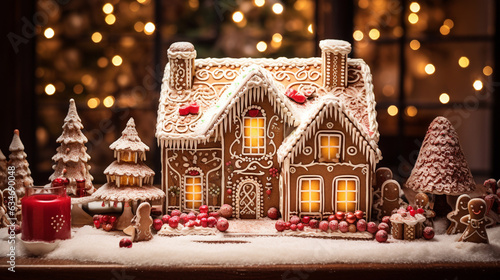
{"x":46,"y":213}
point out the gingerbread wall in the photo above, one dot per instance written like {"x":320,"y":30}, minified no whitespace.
{"x":352,"y":164}
{"x":248,"y":178}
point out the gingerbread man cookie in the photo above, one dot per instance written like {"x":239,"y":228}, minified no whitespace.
{"x":476,"y":222}
{"x":390,"y":198}
{"x":422,"y":201}
{"x":461,"y":209}
{"x":142,"y":223}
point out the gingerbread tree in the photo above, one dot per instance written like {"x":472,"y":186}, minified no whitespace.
{"x":17,"y":159}
{"x":71,"y":159}
{"x":128,"y":177}
{"x":3,"y":171}
{"x":441,"y":167}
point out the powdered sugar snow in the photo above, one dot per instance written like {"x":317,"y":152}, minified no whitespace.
{"x":90,"y":244}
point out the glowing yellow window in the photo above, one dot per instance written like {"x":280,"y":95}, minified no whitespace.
{"x":346,"y":194}
{"x":128,"y":156}
{"x":329,"y":147}
{"x":310,"y":195}
{"x":193,"y":192}
{"x":254,"y":139}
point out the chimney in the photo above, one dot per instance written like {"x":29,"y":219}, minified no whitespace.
{"x":181,"y":56}
{"x":334,"y":68}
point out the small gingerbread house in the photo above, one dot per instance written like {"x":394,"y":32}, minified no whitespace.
{"x":231,"y":131}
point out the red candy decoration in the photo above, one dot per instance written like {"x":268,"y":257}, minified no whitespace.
{"x":296,"y":96}
{"x":125,"y":243}
{"x":268,"y":192}
{"x":192,"y":108}
{"x":253,"y":112}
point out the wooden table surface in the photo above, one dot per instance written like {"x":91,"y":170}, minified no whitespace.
{"x":39,"y":268}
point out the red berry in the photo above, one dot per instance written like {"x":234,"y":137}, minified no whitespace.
{"x":125,"y":243}
{"x":331,"y":218}
{"x":420,"y":211}
{"x":97,"y":224}
{"x":214,"y":214}
{"x":295,"y":220}
{"x":17,"y":229}
{"x":273,"y":213}
{"x":229,"y":191}
{"x":383,"y":226}
{"x":359,"y":214}
{"x":222,"y":224}
{"x":428,"y":233}
{"x":333,"y":225}
{"x":226,"y":211}
{"x":412,"y":212}
{"x":175,"y":213}
{"x":371,"y":227}
{"x":201,"y":216}
{"x":313,"y":223}
{"x":211,"y":221}
{"x":323,"y":226}
{"x":96,"y":218}
{"x":204,"y":209}
{"x":112,"y":219}
{"x":157,"y":224}
{"x":183,"y":218}
{"x":386,"y":219}
{"x":350,"y":218}
{"x":280,"y":225}
{"x":190,"y":223}
{"x":287,"y":225}
{"x":381,"y":236}
{"x":306,"y":220}
{"x":361,"y":225}
{"x":409,"y":208}
{"x":204,"y":222}
{"x":197,"y":223}
{"x":174,"y":221}
{"x":340,"y":215}
{"x":165,"y":219}
{"x":300,"y":226}
{"x":105,"y":219}
{"x":343,"y":226}
{"x":293,"y":227}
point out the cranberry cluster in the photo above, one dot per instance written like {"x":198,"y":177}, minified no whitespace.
{"x":107,"y":222}
{"x":192,"y":219}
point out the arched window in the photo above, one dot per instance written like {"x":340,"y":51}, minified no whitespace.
{"x":254,"y":135}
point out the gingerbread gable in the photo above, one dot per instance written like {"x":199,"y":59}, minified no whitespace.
{"x":219,"y":85}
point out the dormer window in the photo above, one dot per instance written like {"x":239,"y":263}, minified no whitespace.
{"x":254,"y":139}
{"x":329,"y":147}
{"x":128,"y":156}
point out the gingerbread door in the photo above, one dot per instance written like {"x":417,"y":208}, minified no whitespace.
{"x":248,"y":199}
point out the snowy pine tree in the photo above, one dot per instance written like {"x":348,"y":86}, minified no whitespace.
{"x":17,"y":159}
{"x":441,"y":167}
{"x":71,"y":159}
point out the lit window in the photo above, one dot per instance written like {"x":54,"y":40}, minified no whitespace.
{"x":193,"y":192}
{"x":329,"y":147}
{"x":346,"y":190}
{"x":310,"y":195}
{"x":254,"y":139}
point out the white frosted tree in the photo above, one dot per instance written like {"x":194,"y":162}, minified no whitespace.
{"x":17,"y":159}
{"x":71,"y":159}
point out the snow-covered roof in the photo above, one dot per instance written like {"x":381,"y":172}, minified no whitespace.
{"x":220,"y":84}
{"x":130,"y":140}
{"x":328,"y":106}
{"x":111,"y":192}
{"x":139,"y":169}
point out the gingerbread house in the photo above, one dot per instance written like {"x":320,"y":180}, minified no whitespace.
{"x":231,"y":133}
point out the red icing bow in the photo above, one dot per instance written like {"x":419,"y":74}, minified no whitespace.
{"x":295,"y":95}
{"x":192,"y":108}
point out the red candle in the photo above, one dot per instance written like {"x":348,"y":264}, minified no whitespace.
{"x":46,"y":213}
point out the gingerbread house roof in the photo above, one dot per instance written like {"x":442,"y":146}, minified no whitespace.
{"x":220,"y":88}
{"x":329,"y":106}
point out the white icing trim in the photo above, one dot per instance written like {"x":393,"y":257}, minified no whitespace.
{"x":181,"y":55}
{"x":335,"y":46}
